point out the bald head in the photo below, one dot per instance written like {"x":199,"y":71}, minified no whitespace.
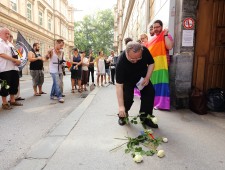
{"x":4,"y":33}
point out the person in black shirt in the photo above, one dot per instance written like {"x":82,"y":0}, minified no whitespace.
{"x":36,"y":69}
{"x":107,"y":70}
{"x":135,"y":63}
{"x":91,"y":68}
{"x":113,"y":60}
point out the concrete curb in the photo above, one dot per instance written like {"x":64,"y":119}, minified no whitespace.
{"x":43,"y":150}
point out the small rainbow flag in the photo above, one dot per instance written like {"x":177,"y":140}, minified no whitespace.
{"x":19,"y":51}
{"x":160,"y":75}
{"x":69,"y":65}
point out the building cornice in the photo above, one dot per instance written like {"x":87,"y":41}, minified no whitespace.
{"x":128,"y":14}
{"x":40,"y":4}
{"x":42,"y":31}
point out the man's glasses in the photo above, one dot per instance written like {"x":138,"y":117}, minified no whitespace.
{"x":133,"y":59}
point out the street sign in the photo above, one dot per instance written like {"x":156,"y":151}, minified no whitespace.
{"x":188,"y":23}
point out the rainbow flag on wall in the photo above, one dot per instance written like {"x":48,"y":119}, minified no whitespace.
{"x":160,"y":75}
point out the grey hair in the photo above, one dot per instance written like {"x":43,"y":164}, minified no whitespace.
{"x":134,"y":46}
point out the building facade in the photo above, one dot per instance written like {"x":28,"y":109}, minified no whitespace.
{"x":40,"y":21}
{"x":198,"y":29}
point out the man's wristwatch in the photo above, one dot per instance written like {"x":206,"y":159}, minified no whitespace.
{"x":165,"y":35}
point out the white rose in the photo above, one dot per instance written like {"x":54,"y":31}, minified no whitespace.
{"x":154,"y":120}
{"x":7,"y":87}
{"x":138,"y":158}
{"x":161,"y":153}
{"x":165,"y":140}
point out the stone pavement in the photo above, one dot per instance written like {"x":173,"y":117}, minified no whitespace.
{"x":84,"y":139}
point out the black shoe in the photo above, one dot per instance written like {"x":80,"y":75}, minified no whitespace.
{"x":63,"y":95}
{"x":148,"y":122}
{"x":122,"y":121}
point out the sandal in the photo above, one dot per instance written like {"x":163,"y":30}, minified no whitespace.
{"x":6,"y":107}
{"x":80,"y":90}
{"x":37,"y":94}
{"x":20,"y":98}
{"x":72,"y":91}
{"x":16,"y":104}
{"x":42,"y":93}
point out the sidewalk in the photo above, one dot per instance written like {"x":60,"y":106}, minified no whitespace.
{"x":83,"y":140}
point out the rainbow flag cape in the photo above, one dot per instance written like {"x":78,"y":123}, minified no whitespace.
{"x":69,"y":65}
{"x":160,"y":75}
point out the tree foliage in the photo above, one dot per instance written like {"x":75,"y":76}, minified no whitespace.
{"x":95,"y":32}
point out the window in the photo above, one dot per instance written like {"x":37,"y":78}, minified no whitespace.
{"x":49,"y":23}
{"x":13,"y":5}
{"x":29,"y":10}
{"x":40,"y":15}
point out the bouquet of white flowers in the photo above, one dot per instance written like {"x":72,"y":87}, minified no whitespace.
{"x":144,"y":144}
{"x":3,"y":83}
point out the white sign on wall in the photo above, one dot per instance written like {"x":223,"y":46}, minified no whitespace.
{"x":188,"y":38}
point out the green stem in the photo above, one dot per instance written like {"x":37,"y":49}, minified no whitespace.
{"x":120,"y":138}
{"x":118,"y":147}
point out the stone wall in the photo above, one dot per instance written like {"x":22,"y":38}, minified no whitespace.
{"x":181,"y":67}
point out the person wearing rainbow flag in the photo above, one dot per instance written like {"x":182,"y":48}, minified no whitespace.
{"x":159,"y":47}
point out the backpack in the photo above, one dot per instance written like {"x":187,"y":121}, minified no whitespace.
{"x":216,"y":99}
{"x":197,"y":102}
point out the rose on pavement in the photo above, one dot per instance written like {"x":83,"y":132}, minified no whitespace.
{"x":161,"y":153}
{"x":165,"y":140}
{"x":138,"y":158}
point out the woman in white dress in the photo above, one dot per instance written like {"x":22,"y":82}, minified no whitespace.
{"x":100,"y":63}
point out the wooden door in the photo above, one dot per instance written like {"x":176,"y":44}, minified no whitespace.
{"x":209,"y":63}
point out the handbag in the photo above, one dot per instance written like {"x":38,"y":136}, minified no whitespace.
{"x":198,"y":102}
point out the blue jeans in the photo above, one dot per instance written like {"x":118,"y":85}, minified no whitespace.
{"x":56,"y":86}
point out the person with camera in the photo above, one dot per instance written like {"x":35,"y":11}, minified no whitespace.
{"x":36,"y":69}
{"x":55,"y":69}
{"x":8,"y":70}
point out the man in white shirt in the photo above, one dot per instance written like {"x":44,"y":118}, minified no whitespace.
{"x":55,"y":69}
{"x":8,"y":70}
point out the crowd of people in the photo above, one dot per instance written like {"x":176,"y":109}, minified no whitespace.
{"x":142,"y":66}
{"x":82,"y":70}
